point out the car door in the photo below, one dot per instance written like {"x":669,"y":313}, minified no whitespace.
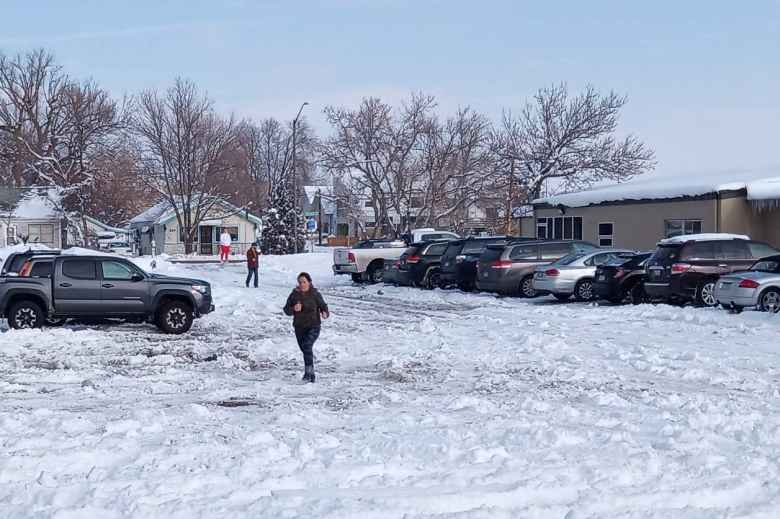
{"x":123,"y":289}
{"x":733,"y":255}
{"x":77,"y":287}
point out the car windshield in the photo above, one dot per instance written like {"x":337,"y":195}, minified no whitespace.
{"x":569,"y":258}
{"x":766,"y":266}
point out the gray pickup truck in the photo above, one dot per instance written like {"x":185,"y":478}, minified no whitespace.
{"x":39,"y":288}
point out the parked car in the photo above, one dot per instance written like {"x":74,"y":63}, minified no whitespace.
{"x":365,"y":261}
{"x":623,"y":279}
{"x":573,"y":274}
{"x":100,"y":287}
{"x":758,"y":286}
{"x":509,"y":269}
{"x":459,"y":262}
{"x":15,"y":261}
{"x":686,"y":268}
{"x":419,"y":265}
{"x":428,"y":234}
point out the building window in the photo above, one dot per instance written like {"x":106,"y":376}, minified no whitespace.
{"x":10,"y":235}
{"x":41,"y":233}
{"x":232,"y":231}
{"x":491,"y":213}
{"x":368,"y":203}
{"x":674,"y":228}
{"x":559,"y":228}
{"x":606,"y":234}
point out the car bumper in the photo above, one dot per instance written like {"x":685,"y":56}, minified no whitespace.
{"x":398,"y":277}
{"x":736,"y":296}
{"x":606,"y":289}
{"x":658,"y":290}
{"x":205,"y":305}
{"x":498,"y":287}
{"x":345,"y":269}
{"x":448,"y":278}
{"x":553,"y":285}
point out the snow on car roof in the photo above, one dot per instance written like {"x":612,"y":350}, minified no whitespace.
{"x":704,"y":237}
{"x":760,"y":185}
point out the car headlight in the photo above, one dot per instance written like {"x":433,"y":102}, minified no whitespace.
{"x":203,"y":289}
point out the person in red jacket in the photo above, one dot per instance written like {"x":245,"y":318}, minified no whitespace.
{"x":252,"y":264}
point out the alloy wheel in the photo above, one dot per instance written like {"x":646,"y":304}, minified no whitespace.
{"x":25,"y":318}
{"x":585,"y":291}
{"x":771,"y":301}
{"x":176,"y":318}
{"x":707,"y":294}
{"x":527,"y":287}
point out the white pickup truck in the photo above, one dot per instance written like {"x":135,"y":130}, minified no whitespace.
{"x":366,"y":260}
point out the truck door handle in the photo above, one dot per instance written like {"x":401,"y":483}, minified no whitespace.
{"x":107,"y":285}
{"x":723,"y":266}
{"x":65,"y":285}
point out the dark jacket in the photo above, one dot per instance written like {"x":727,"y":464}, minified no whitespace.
{"x":251,"y":258}
{"x":313,"y":304}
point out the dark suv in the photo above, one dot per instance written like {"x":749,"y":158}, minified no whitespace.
{"x":420,"y":265}
{"x":686,"y":268}
{"x":459,"y":262}
{"x":623,"y":279}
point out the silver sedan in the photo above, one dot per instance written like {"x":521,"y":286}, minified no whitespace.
{"x":573,"y":274}
{"x":759,"y":287}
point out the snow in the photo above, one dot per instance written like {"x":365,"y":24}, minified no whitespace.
{"x":152,"y":214}
{"x":37,"y":205}
{"x":757,"y":183}
{"x":428,"y":404}
{"x":705,"y":236}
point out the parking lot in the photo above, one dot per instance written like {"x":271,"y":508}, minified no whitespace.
{"x":427,"y":403}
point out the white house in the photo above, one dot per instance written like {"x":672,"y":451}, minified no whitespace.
{"x":30,"y":215}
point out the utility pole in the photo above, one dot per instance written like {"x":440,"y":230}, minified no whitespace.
{"x":295,"y":178}
{"x":508,"y":215}
{"x":319,"y":215}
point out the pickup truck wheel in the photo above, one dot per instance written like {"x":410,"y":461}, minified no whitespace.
{"x":175,"y":317}
{"x":25,"y":315}
{"x":357,"y":278}
{"x":376,"y":273}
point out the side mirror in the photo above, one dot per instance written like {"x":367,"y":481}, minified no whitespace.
{"x":137,"y":277}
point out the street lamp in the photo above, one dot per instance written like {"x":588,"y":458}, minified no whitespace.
{"x":294,"y":177}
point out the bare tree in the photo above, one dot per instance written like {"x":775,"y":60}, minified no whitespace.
{"x":380,"y":151}
{"x":184,"y":152}
{"x":571,"y":140}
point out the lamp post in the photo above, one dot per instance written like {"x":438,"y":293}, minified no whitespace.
{"x":294,"y":177}
{"x":319,"y":215}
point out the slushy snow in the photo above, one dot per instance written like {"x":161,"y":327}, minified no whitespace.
{"x":427,"y":404}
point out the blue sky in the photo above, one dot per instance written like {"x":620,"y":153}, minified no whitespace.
{"x":703,"y":78}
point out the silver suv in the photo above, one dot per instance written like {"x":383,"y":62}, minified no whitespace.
{"x":509,"y":269}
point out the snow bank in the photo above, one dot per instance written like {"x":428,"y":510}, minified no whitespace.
{"x":757,"y":184}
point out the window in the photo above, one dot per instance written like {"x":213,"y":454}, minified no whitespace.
{"x":491,"y":213}
{"x":368,"y":203}
{"x":232,"y":231}
{"x":431,"y":237}
{"x":474,"y":247}
{"x":436,"y":250}
{"x":766,"y":266}
{"x":760,"y":250}
{"x":674,"y":228}
{"x":117,"y":270}
{"x":11,"y":235}
{"x":735,"y":249}
{"x":417,"y":202}
{"x":41,"y":233}
{"x":700,"y":250}
{"x":559,"y":228}
{"x":606,"y":234}
{"x":41,"y":269}
{"x":601,"y":259}
{"x":553,"y":251}
{"x":79,"y":269}
{"x":524,"y":252}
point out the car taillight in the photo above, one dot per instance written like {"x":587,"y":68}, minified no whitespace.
{"x":679,"y":268}
{"x":501,"y":264}
{"x":413,"y":259}
{"x":351,"y":258}
{"x":551,"y":272}
{"x":748,"y":283}
{"x":619,"y":273}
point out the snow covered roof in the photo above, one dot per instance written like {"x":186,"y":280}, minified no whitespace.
{"x":163,"y":212}
{"x":705,"y":236}
{"x":37,"y":204}
{"x":759,"y":185}
{"x":152,"y":214}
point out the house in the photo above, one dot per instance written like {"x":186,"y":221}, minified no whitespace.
{"x":31,"y":215}
{"x":100,"y":233}
{"x":156,"y":230}
{"x":638,"y":213}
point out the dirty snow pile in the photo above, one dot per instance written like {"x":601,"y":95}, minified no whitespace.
{"x":427,"y":404}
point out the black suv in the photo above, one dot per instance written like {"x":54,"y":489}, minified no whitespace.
{"x":623,"y":279}
{"x":459,"y":262}
{"x":686,"y":268}
{"x":420,"y":265}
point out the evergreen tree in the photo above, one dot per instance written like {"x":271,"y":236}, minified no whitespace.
{"x":279,"y":221}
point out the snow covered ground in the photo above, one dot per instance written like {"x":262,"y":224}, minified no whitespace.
{"x":427,"y":404}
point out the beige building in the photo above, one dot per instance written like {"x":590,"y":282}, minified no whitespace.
{"x":638,"y":214}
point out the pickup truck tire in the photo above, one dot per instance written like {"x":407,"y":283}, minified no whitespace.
{"x":175,"y":317}
{"x":25,"y":315}
{"x":376,"y":272}
{"x":53,"y":322}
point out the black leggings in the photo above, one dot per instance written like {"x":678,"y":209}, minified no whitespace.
{"x":306,"y":338}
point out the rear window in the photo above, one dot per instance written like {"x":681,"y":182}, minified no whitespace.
{"x":569,"y":258}
{"x":436,"y":250}
{"x":474,"y":247}
{"x":41,"y":269}
{"x":491,"y":254}
{"x":79,"y":269}
{"x":667,"y":253}
{"x":766,"y":266}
